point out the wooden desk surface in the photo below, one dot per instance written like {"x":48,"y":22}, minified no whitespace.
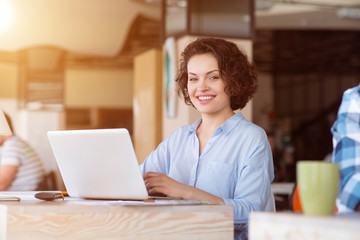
{"x":288,"y":225}
{"x":89,"y":219}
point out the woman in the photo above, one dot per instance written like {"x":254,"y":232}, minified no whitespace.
{"x":222,"y":157}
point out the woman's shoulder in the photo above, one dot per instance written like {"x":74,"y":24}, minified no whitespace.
{"x":245,"y":125}
{"x":248,"y":131}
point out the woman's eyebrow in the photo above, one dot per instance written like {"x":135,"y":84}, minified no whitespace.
{"x":215,"y":70}
{"x":212,"y":71}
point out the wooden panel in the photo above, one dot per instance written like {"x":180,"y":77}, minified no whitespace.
{"x":90,"y":118}
{"x":101,"y":220}
{"x":79,"y":118}
{"x":147,"y":102}
{"x":41,"y":75}
{"x":115,"y":118}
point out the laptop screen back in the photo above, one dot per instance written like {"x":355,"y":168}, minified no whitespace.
{"x":98,"y":163}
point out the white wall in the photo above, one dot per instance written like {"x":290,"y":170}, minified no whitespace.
{"x":34,"y":126}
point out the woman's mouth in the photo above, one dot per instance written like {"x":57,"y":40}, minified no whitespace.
{"x":205,"y":99}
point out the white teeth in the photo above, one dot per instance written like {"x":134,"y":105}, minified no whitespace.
{"x":205,"y":98}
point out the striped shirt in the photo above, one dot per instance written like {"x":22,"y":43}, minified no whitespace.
{"x":346,"y":153}
{"x":30,"y":172}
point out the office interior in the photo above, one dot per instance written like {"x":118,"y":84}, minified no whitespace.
{"x":99,"y":64}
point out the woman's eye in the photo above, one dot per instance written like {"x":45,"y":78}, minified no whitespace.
{"x":191,"y":79}
{"x":214,"y":77}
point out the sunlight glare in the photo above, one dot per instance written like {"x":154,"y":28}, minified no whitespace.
{"x":6,"y":15}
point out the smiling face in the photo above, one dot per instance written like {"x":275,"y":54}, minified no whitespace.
{"x":205,"y":86}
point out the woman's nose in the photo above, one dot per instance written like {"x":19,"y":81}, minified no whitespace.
{"x":202,"y":85}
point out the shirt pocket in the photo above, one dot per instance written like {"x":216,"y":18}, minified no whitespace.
{"x":217,"y":178}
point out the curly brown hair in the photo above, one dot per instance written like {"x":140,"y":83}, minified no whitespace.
{"x":236,"y":71}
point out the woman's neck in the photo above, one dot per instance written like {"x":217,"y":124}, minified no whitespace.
{"x":210,"y":123}
{"x":208,"y":126}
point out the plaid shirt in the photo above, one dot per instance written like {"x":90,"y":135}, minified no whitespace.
{"x":346,"y":142}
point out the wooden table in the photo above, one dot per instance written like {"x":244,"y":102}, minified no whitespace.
{"x":288,"y":225}
{"x":90,"y":219}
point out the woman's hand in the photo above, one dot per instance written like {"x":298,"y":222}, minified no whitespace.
{"x":160,"y":183}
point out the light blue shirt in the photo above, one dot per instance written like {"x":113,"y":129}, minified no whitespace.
{"x":236,"y":164}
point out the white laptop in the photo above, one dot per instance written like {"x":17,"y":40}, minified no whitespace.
{"x":98,"y":164}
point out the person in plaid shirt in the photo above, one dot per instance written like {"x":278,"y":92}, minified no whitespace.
{"x":346,"y":152}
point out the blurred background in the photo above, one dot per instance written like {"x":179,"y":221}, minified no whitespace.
{"x":90,"y":64}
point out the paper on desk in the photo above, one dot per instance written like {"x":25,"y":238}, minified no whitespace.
{"x":179,"y":202}
{"x":140,"y":203}
{"x":105,"y":202}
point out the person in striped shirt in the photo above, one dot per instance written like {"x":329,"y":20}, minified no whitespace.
{"x":20,"y":167}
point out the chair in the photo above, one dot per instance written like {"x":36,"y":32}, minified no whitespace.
{"x":48,"y":183}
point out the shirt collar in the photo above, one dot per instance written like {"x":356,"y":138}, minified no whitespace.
{"x":195,"y":125}
{"x":226,"y":127}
